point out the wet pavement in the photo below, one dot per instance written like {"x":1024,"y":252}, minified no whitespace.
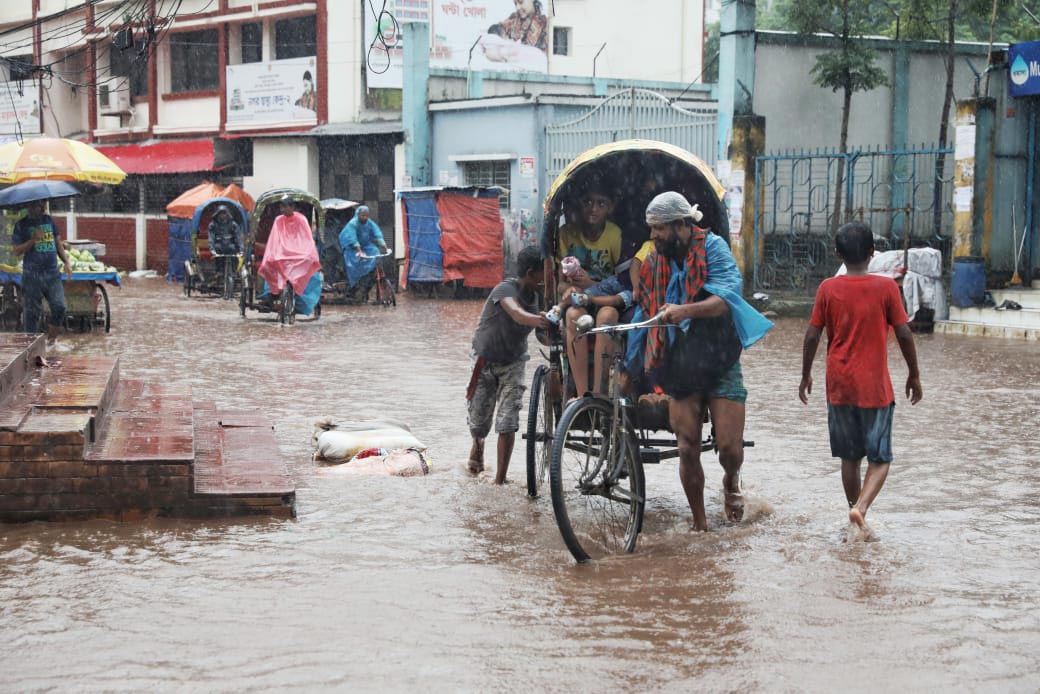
{"x":449,"y":583}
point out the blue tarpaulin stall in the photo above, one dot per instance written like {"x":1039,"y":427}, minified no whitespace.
{"x":179,"y":247}
{"x":453,"y":234}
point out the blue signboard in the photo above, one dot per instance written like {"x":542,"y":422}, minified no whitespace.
{"x":1024,"y":61}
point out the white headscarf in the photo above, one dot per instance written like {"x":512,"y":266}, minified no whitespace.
{"x":671,"y":207}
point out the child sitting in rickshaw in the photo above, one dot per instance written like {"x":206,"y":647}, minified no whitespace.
{"x":596,"y":244}
{"x":290,"y":257}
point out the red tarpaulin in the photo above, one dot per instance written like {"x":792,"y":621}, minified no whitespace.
{"x":471,"y":238}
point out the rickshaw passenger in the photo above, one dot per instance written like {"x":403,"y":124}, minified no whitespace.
{"x":361,"y":236}
{"x":692,"y":277}
{"x":620,"y":291}
{"x":290,"y":256}
{"x":596,"y":243}
{"x":225,"y":237}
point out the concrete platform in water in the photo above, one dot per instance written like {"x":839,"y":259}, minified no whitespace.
{"x":77,"y":442}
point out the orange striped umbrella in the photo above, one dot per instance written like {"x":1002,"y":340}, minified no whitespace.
{"x":56,"y":159}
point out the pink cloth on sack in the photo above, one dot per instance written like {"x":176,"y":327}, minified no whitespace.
{"x":290,"y":255}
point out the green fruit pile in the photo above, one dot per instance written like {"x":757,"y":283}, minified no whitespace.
{"x":84,"y":261}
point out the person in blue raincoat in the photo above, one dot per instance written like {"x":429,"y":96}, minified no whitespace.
{"x":361,"y":237}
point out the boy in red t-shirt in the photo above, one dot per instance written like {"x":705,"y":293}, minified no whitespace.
{"x":857,"y":310}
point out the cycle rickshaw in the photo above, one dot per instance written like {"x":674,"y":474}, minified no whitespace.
{"x":339,"y":212}
{"x":213,"y":267}
{"x":263,"y":217}
{"x":593,"y":451}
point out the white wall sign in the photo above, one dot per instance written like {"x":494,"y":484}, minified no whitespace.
{"x":735,"y":201}
{"x":278,"y":91}
{"x":962,"y":198}
{"x":501,"y":36}
{"x":527,"y":167}
{"x":19,"y":111}
{"x":964,"y":147}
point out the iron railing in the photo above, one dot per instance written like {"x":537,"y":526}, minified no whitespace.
{"x":893,"y":191}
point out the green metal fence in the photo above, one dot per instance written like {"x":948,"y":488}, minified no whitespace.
{"x":796,"y":196}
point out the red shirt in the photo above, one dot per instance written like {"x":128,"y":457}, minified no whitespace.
{"x":857,"y":311}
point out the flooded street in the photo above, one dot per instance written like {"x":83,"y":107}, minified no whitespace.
{"x":450,"y":583}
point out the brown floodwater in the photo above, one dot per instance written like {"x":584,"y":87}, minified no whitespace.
{"x":450,"y":583}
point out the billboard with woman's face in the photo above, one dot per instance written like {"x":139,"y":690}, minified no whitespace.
{"x":495,"y":35}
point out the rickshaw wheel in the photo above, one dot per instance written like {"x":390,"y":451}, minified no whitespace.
{"x":596,"y":481}
{"x":385,"y":289}
{"x":229,"y":281}
{"x":244,"y":299}
{"x":102,"y":312}
{"x":287,"y":313}
{"x":542,"y":414}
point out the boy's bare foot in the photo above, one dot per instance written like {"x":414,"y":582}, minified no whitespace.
{"x":856,"y":517}
{"x":475,"y":467}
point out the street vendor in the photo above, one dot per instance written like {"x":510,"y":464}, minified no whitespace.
{"x":291,"y":257}
{"x":691,"y":281}
{"x":361,"y":237}
{"x":38,"y":241}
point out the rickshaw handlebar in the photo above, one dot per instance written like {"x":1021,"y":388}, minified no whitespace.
{"x":374,"y":257}
{"x":584,"y":324}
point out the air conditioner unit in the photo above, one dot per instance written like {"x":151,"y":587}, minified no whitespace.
{"x":122,"y":101}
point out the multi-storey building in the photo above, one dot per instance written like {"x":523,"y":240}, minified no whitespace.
{"x":303,"y":93}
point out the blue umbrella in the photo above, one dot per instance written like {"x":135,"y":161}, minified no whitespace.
{"x":28,"y":191}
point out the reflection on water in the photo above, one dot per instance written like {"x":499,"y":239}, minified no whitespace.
{"x":446,"y":582}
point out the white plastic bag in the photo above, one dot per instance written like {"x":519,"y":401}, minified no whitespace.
{"x":342,"y":441}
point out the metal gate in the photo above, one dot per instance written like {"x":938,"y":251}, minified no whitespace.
{"x":892,"y":191}
{"x":632,"y":113}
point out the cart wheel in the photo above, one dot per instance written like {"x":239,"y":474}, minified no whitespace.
{"x":10,"y":306}
{"x":596,"y":480}
{"x":287,"y":314}
{"x":542,"y":414}
{"x":385,"y":292}
{"x":102,"y":315}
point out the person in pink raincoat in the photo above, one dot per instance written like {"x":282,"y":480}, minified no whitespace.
{"x":290,"y":256}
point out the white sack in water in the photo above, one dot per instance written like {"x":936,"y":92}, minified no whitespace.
{"x":400,"y":463}
{"x":341,"y":441}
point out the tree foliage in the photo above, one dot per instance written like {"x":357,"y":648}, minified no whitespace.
{"x":851,"y":68}
{"x":918,"y":19}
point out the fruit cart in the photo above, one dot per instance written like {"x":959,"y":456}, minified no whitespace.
{"x":86,"y":298}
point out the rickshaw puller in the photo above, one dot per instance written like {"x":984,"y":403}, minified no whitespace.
{"x":361,"y":237}
{"x":692,"y":281}
{"x":291,"y":257}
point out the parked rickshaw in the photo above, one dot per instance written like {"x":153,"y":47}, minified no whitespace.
{"x":213,"y":267}
{"x":337,"y":213}
{"x":593,"y":451}
{"x":264,"y":214}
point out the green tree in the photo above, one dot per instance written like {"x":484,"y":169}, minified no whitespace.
{"x":711,"y":54}
{"x":848,"y":69}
